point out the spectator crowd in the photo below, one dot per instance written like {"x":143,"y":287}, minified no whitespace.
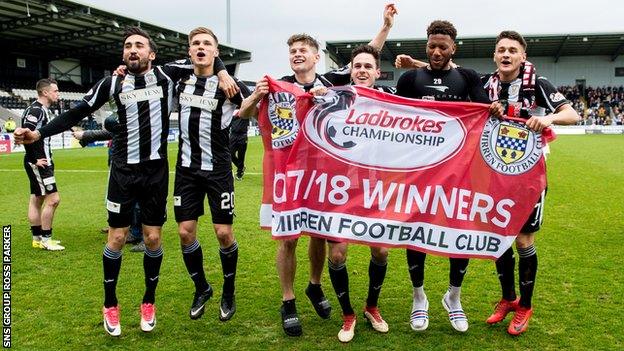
{"x":597,"y":105}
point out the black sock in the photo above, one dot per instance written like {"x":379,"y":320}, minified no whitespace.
{"x":416,"y":266}
{"x":527,"y":271}
{"x":457,"y":271}
{"x":376,"y":276}
{"x":111,"y":260}
{"x":229,"y":258}
{"x":46,"y":233}
{"x":340,"y":280}
{"x":36,"y":230}
{"x":289,"y":306}
{"x":151,"y":266}
{"x":505,"y":266}
{"x":314,"y":290}
{"x":194,"y":262}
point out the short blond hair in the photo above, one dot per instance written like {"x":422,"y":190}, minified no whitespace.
{"x":202,"y":30}
{"x":304,"y":38}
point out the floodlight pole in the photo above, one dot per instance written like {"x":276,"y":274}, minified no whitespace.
{"x":227,"y":16}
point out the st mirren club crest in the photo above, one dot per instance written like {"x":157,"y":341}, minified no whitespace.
{"x":509,"y":147}
{"x":150,"y":79}
{"x":514,"y":89}
{"x":282,"y":114}
{"x":511,"y":142}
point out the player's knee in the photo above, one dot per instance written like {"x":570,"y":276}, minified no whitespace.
{"x":37,"y":201}
{"x":187,"y":238}
{"x":225,"y":236}
{"x":151,"y":239}
{"x":53,"y":201}
{"x":379,"y":254}
{"x":187,"y":235}
{"x":524,"y":240}
{"x":116,"y":239}
{"x":338,"y":256}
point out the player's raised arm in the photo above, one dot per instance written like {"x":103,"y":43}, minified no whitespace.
{"x":388,"y":16}
{"x":342,"y":76}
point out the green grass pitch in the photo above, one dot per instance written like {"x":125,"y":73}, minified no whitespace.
{"x":57,"y":296}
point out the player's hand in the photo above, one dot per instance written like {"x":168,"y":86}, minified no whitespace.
{"x":41,"y":163}
{"x":120,"y":71}
{"x":78,"y":134}
{"x":538,"y":123}
{"x":23,"y":136}
{"x":227,"y":84}
{"x":389,"y":12}
{"x":497,"y":109}
{"x":262,"y":88}
{"x":319,"y":91}
{"x":404,"y":61}
{"x":453,"y":64}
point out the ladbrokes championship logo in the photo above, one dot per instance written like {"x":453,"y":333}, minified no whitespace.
{"x":282,"y":114}
{"x":381,"y":135}
{"x":509,"y":147}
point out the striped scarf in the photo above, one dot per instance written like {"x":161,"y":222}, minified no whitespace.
{"x":526,"y":94}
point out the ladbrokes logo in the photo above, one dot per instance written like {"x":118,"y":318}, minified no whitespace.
{"x":509,"y":147}
{"x":283,"y":119}
{"x":381,"y":135}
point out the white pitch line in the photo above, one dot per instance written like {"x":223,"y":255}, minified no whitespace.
{"x":91,"y":171}
{"x":62,"y":170}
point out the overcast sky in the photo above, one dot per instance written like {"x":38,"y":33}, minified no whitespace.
{"x":262,"y":27}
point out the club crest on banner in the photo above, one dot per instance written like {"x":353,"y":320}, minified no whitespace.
{"x":509,"y":147}
{"x":284,"y":124}
{"x":511,"y":142}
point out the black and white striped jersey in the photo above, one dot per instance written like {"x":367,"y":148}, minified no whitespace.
{"x":205,"y":117}
{"x":143,"y":104}
{"x":35,"y":117}
{"x":547,"y":98}
{"x":337,"y":77}
{"x":385,"y":89}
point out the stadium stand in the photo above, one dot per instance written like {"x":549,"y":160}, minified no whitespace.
{"x":75,"y":44}
{"x":597,"y":105}
{"x":17,"y":99}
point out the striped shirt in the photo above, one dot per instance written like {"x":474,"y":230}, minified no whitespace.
{"x":143,"y":104}
{"x":205,"y":117}
{"x":35,"y":117}
{"x":338,"y":77}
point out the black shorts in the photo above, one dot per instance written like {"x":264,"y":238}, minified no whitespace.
{"x":191,"y":186}
{"x":536,"y":218}
{"x":238,"y":139}
{"x":145,"y":183}
{"x":41,"y":179}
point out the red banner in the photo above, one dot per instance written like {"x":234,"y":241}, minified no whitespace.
{"x":5,"y":143}
{"x":363,"y":166}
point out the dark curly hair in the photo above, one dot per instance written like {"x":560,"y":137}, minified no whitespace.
{"x":442,"y":27}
